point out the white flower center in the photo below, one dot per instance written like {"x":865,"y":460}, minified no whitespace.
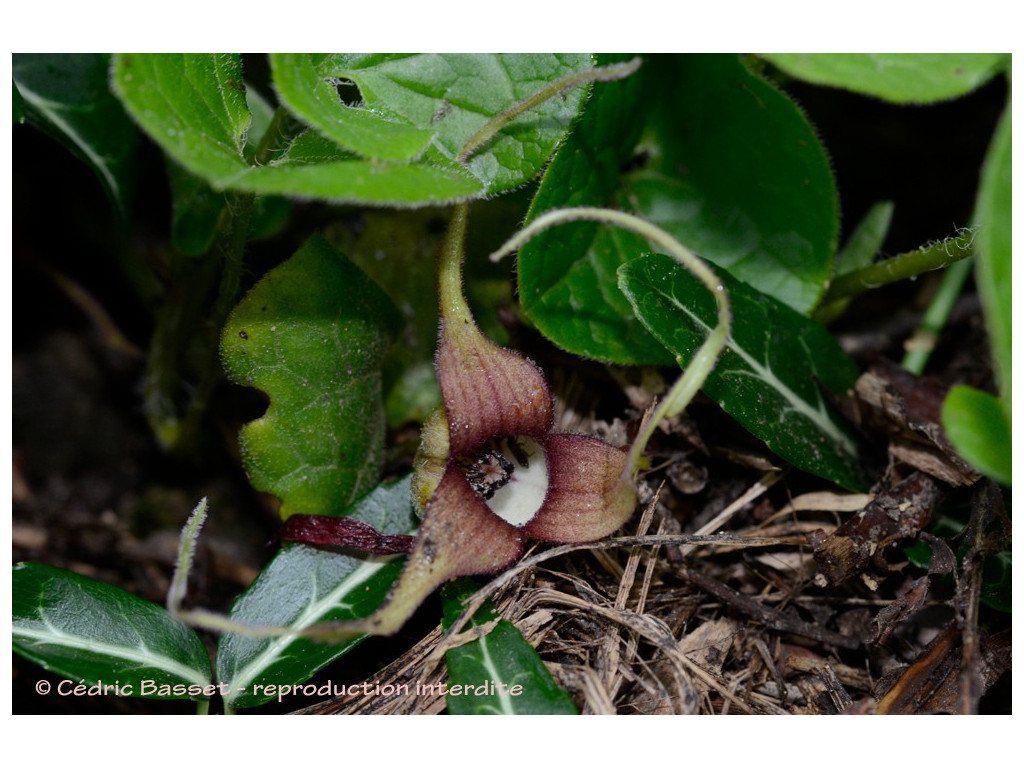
{"x":512,"y":477}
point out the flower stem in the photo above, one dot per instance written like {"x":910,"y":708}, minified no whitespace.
{"x":704,"y":359}
{"x":450,"y":266}
{"x":499,"y":121}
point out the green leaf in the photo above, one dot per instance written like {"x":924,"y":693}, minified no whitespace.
{"x":192,"y":105}
{"x":916,"y":78}
{"x":89,"y":631}
{"x":501,"y":673}
{"x":737,"y":175}
{"x":453,"y":95}
{"x":197,"y":207}
{"x":335,"y":177}
{"x":68,"y":96}
{"x":567,"y":275}
{"x":768,"y":376}
{"x":303,"y":586}
{"x":312,"y":334}
{"x":307,"y":88}
{"x":866,"y":239}
{"x":993,"y":216}
{"x":978,"y":426}
{"x":711,"y":153}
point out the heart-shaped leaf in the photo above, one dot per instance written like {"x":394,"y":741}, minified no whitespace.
{"x":94,"y":632}
{"x":768,"y":376}
{"x":710,"y":152}
{"x":737,"y":175}
{"x":303,"y":586}
{"x":312,"y":334}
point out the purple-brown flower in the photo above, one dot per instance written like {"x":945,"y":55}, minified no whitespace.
{"x":490,"y":473}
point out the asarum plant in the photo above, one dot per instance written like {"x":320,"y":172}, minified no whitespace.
{"x":490,"y":473}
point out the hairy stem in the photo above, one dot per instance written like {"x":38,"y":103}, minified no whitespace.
{"x":499,"y":121}
{"x":186,"y":553}
{"x":450,"y":266}
{"x":279,"y":134}
{"x":906,"y":265}
{"x":704,"y":359}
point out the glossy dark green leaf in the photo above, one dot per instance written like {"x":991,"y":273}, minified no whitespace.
{"x":738,"y":176}
{"x":68,"y":96}
{"x":711,"y":153}
{"x":501,"y":673}
{"x":303,"y":586}
{"x":567,"y":275}
{"x":94,"y":632}
{"x":312,"y":334}
{"x":978,"y":426}
{"x":769,"y":374}
{"x":915,"y":78}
